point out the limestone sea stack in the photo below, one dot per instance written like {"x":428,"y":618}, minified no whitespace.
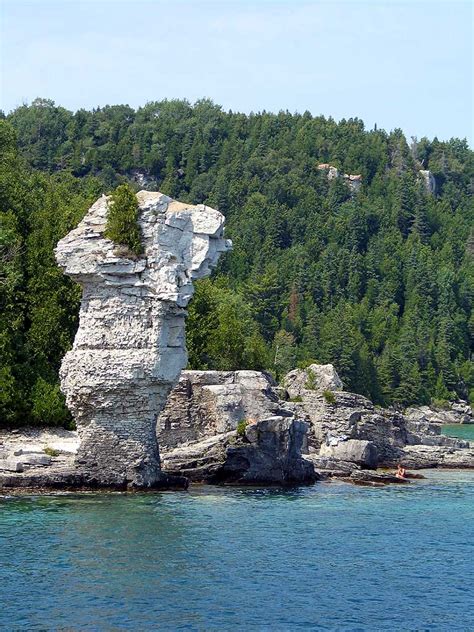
{"x":130,"y":345}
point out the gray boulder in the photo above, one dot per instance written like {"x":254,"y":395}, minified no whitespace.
{"x":269,"y":452}
{"x":36,"y":459}
{"x":11,"y":464}
{"x":328,"y":467}
{"x":363,"y":453}
{"x":316,"y":377}
{"x":206,"y":403}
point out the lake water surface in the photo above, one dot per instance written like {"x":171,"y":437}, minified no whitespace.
{"x":461,"y":431}
{"x":327,"y":557}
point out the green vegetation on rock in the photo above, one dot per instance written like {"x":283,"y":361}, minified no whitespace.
{"x":329,"y":397}
{"x":311,"y":382}
{"x":51,"y":451}
{"x":122,"y":219}
{"x":241,"y":427}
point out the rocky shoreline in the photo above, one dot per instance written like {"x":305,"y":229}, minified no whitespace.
{"x":141,"y":428}
{"x":241,"y":428}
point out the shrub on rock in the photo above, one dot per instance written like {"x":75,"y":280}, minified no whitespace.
{"x":122,"y":219}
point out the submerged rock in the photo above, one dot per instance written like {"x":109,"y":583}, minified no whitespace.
{"x":375,"y":479}
{"x":129,"y":348}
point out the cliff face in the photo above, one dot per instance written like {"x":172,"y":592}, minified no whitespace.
{"x":208,"y":403}
{"x":311,"y":418}
{"x":130,"y":345}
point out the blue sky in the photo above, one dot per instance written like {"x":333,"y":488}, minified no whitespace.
{"x":402,"y":64}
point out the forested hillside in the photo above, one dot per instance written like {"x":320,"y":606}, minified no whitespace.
{"x":378,"y":280}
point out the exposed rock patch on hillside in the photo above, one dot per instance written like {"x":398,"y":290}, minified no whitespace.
{"x":428,"y":180}
{"x":353,"y":181}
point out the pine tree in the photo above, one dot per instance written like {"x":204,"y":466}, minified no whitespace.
{"x":122,"y":219}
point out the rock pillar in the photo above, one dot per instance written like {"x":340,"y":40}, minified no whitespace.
{"x":130,"y":345}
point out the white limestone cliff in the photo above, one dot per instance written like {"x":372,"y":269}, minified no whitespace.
{"x":428,"y":180}
{"x":130,"y":345}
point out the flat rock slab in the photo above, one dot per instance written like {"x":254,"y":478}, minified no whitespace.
{"x":423,"y":456}
{"x":375,"y":479}
{"x":71,"y":480}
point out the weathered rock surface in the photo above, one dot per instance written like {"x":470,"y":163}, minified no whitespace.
{"x":346,"y":420}
{"x":268,"y":453}
{"x":316,"y":377}
{"x":328,"y":467}
{"x":36,"y":454}
{"x":198,"y":438}
{"x":428,"y":180}
{"x":425,"y":456}
{"x":353,"y":181}
{"x":207,"y":403}
{"x":456,"y":413}
{"x":341,"y":438}
{"x":360,"y":452}
{"x":129,"y":348}
{"x":346,"y":433}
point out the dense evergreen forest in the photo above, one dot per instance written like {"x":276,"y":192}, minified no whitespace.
{"x":378,"y":281}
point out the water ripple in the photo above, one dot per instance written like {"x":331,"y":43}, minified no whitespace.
{"x":328,"y":557}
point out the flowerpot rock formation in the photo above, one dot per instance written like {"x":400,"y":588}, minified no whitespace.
{"x":130,"y":346}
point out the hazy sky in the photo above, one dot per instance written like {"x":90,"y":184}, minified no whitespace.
{"x":398,"y":64}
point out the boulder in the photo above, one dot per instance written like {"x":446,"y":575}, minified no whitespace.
{"x":11,"y":464}
{"x":198,"y":461}
{"x":36,"y":459}
{"x":269,"y":452}
{"x":206,"y":403}
{"x":363,"y":453}
{"x":330,"y":467}
{"x":339,"y":416}
{"x":316,"y":377}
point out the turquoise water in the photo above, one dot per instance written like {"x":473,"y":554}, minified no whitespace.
{"x":328,"y":557}
{"x":461,"y":431}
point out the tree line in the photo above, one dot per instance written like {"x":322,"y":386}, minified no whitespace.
{"x":378,"y":281}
